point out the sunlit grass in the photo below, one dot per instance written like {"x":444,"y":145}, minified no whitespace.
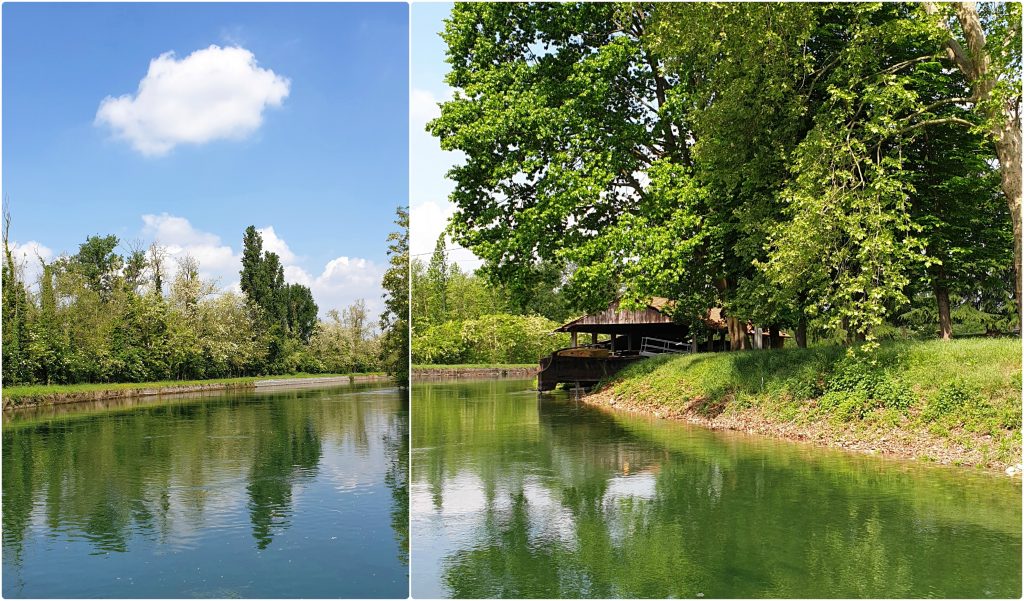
{"x":968,"y":387}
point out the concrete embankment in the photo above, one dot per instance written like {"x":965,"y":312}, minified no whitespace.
{"x":326,"y":381}
{"x":63,"y":398}
{"x":115,"y":392}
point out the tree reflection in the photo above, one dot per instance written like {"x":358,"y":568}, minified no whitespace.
{"x":396,"y":446}
{"x":153,"y":472}
{"x":286,"y":451}
{"x":578,"y":503}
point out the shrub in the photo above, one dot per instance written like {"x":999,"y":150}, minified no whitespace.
{"x":495,"y":338}
{"x":955,"y":395}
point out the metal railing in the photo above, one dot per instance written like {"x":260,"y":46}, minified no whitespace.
{"x":657,"y":346}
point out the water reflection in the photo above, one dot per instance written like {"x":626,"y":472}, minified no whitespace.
{"x":210,"y":483}
{"x":515,"y":497}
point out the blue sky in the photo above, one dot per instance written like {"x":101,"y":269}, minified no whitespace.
{"x":311,"y":138}
{"x":429,"y":188}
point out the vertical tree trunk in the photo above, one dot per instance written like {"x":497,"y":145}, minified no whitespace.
{"x":1008,"y":151}
{"x":801,"y":332}
{"x":1004,"y":126}
{"x":737,"y":334}
{"x":942,"y":300}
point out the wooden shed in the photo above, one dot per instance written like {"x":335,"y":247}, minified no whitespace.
{"x":626,"y":330}
{"x":615,"y":337}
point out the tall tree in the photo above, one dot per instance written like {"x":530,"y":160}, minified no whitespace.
{"x":559,"y":109}
{"x":98,"y":264}
{"x":15,"y":314}
{"x":394,"y":321}
{"x":986,"y":47}
{"x":255,"y":279}
{"x":437,"y":279}
{"x":301,"y":311}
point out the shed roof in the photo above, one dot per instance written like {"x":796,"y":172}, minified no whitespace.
{"x":654,"y":313}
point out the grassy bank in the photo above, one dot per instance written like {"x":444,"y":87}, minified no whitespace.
{"x":36,"y":394}
{"x":953,"y":402}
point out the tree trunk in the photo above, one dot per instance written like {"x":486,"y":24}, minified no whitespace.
{"x":942,"y":300}
{"x":774,"y":337}
{"x":801,"y":332}
{"x":1004,"y":125}
{"x":1008,"y":150}
{"x":737,"y":334}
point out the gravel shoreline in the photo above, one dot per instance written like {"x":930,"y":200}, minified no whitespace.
{"x":897,"y":443}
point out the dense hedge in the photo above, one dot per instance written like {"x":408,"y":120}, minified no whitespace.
{"x":496,"y":338}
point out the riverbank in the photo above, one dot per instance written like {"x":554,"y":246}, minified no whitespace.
{"x":476,"y":370}
{"x":956,"y":403}
{"x":58,"y":394}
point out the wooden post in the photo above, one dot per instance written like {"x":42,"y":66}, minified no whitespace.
{"x":572,"y":335}
{"x":758,"y":339}
{"x":593,"y":338}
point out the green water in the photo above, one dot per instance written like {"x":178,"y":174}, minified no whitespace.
{"x":512,"y":496}
{"x":300,"y":493}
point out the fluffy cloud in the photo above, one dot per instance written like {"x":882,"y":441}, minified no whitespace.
{"x":339,"y":284}
{"x":342,"y":281}
{"x":422,"y":108}
{"x":274,"y":244}
{"x":214,"y":93}
{"x":26,"y":259}
{"x":217,"y":260}
{"x":427,"y":220}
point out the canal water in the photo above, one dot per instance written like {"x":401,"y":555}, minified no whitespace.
{"x":512,"y":496}
{"x":299,"y":493}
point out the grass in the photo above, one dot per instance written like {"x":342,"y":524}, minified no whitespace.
{"x":20,"y":394}
{"x":964,"y":391}
{"x":476,"y":366}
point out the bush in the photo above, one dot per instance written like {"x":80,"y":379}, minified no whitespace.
{"x":496,"y":338}
{"x":870,"y":385}
{"x":955,"y":395}
{"x":846,"y":405}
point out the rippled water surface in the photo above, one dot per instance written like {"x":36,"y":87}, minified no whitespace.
{"x":298,"y":493}
{"x":513,"y":496}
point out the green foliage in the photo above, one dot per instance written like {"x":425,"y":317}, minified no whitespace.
{"x":796,"y":164}
{"x":491,"y":339}
{"x":955,"y":396}
{"x":100,"y":317}
{"x":971,"y":384}
{"x":394,"y":322}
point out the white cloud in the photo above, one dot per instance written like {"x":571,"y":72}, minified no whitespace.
{"x":26,"y":259}
{"x":422,"y":108}
{"x":217,"y":260}
{"x":426,"y":222}
{"x":274,"y":244}
{"x":340,"y":283}
{"x":213,"y":93}
{"x":346,"y":279}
